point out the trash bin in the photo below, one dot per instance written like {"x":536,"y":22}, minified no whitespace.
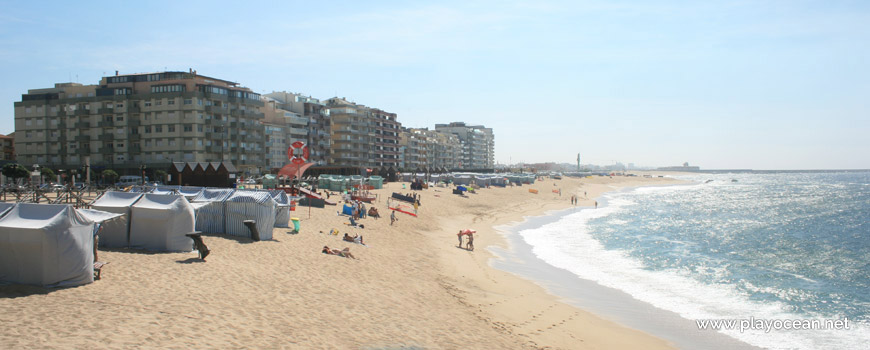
{"x":295,"y":224}
{"x":252,"y":225}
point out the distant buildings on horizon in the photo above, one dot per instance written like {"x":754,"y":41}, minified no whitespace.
{"x":147,"y":121}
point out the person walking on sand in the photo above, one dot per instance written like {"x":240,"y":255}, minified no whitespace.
{"x":392,"y":218}
{"x":470,"y":244}
{"x":596,"y":204}
{"x":460,"y":238}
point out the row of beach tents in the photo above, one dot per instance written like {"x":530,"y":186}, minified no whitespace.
{"x":473,"y":179}
{"x":52,"y":244}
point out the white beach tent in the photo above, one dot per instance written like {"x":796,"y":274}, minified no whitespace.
{"x":189,"y":192}
{"x":159,"y":222}
{"x":209,"y":206}
{"x":250,"y":205}
{"x":116,"y":233}
{"x":50,"y":245}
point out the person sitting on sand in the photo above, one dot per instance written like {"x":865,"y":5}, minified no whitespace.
{"x":373,"y":212}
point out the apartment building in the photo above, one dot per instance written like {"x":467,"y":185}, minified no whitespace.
{"x":312,"y":116}
{"x":362,"y":136}
{"x":7,"y":147}
{"x":129,"y":121}
{"x":477,"y":144}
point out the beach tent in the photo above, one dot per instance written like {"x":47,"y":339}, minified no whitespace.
{"x":116,"y":233}
{"x":189,"y":192}
{"x":250,"y":205}
{"x":166,"y":189}
{"x":159,"y":222}
{"x":209,"y":208}
{"x":50,"y":245}
{"x":347,"y":209}
{"x":282,"y":211}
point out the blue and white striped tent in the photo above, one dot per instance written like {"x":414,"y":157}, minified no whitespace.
{"x":189,"y":192}
{"x":282,"y":213}
{"x":116,"y":233}
{"x":209,"y":206}
{"x":250,"y":205}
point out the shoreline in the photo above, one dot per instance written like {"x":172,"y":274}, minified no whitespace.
{"x":558,"y":322}
{"x":608,"y":303}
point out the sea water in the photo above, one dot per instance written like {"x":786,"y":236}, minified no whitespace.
{"x":770,"y":248}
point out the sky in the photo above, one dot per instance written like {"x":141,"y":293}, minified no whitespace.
{"x":718,"y":84}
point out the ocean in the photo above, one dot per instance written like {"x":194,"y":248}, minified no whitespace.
{"x":784,"y":256}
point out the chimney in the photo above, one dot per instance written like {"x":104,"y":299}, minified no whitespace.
{"x":116,"y":73}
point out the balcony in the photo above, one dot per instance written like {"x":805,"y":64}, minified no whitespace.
{"x":106,"y":150}
{"x":83,"y":125}
{"x":83,"y":138}
{"x":216,"y":136}
{"x":133,"y":109}
{"x":216,"y":122}
{"x":106,"y":137}
{"x":83,"y":151}
{"x":106,"y":124}
{"x":215,"y":110}
{"x":106,"y":111}
{"x":134,"y":123}
{"x":134,"y":137}
{"x":82,"y":111}
{"x":135,"y":149}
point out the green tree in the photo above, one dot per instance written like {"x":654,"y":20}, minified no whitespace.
{"x":46,"y":172}
{"x":160,"y":176}
{"x":110,"y":176}
{"x":15,"y":171}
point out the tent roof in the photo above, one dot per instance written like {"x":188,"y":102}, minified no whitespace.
{"x":5,"y":207}
{"x":251,"y":197}
{"x":98,"y":215}
{"x":213,"y":195}
{"x":117,"y":199}
{"x":158,"y":201}
{"x":31,"y":215}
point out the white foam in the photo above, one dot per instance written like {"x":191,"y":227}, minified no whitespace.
{"x":567,"y":244}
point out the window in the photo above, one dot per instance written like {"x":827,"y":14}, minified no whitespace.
{"x":158,"y":128}
{"x":188,"y":142}
{"x":171,"y":102}
{"x":147,"y":103}
{"x":28,"y":122}
{"x":119,"y":118}
{"x":199,"y":102}
{"x":119,"y":131}
{"x":27,"y":110}
{"x":171,"y":128}
{"x":167,"y":88}
{"x":172,"y":142}
{"x":148,"y":129}
{"x":199,"y":128}
{"x":119,"y":145}
{"x":188,"y":127}
{"x":188,"y":101}
{"x":159,"y":103}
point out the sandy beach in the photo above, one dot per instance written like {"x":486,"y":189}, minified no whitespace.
{"x":410,"y":288}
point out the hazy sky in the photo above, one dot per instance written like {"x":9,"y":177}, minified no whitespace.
{"x":719,"y":84}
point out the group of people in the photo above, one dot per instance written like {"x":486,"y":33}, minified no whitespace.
{"x":470,"y":244}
